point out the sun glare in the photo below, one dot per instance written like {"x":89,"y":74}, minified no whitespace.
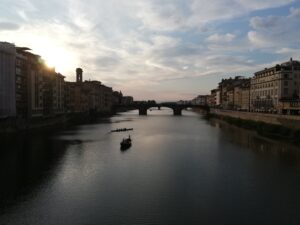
{"x":60,"y":59}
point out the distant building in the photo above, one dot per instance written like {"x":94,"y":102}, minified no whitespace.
{"x":200,"y":100}
{"x":183,"y":102}
{"x":127,"y":100}
{"x":106,"y":99}
{"x":117,"y":97}
{"x":226,"y":87}
{"x":245,"y":98}
{"x":213,"y":100}
{"x":58,"y":93}
{"x":7,"y":80}
{"x":272,"y":87}
{"x":88,"y":96}
{"x":241,"y":98}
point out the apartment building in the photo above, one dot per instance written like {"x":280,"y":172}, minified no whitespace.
{"x":226,"y":87}
{"x":7,"y":80}
{"x":241,"y":96}
{"x":273,"y":86}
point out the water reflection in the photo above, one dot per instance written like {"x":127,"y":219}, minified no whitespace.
{"x":27,"y":161}
{"x":247,"y":139}
{"x":179,"y":170}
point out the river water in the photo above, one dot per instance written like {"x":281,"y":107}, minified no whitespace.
{"x":179,"y":170}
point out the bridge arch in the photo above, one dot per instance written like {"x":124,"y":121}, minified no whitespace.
{"x":177,"y":109}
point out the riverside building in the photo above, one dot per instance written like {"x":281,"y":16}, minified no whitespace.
{"x":272,"y":87}
{"x":7,"y":80}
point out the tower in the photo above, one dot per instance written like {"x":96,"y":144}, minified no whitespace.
{"x":79,"y":75}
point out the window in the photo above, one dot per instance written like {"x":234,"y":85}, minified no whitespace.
{"x":285,"y":91}
{"x":18,"y":71}
{"x":295,"y":83}
{"x":286,"y":76}
{"x":286,"y":83}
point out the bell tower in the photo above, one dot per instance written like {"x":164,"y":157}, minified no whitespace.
{"x":79,"y":72}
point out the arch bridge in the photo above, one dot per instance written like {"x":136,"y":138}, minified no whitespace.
{"x":177,"y":108}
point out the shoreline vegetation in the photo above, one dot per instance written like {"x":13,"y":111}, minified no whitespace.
{"x":272,"y":131}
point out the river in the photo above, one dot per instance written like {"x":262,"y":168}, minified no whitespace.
{"x":179,"y":170}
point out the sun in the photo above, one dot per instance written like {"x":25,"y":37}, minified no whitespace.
{"x":60,"y":59}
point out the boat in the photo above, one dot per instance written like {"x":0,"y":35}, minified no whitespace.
{"x":125,"y":143}
{"x":121,"y":129}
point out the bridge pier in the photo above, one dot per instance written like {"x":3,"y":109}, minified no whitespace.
{"x":177,"y":112}
{"x":143,"y":111}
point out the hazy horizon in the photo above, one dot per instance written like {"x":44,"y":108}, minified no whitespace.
{"x":162,"y":50}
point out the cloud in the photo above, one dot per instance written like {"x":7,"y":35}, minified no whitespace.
{"x":219,"y":38}
{"x":264,"y":23}
{"x":295,"y":12}
{"x":133,"y":43}
{"x":289,"y":52}
{"x":207,"y":11}
{"x":276,"y":32}
{"x":8,"y":26}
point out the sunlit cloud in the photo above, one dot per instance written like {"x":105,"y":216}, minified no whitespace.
{"x":139,"y":45}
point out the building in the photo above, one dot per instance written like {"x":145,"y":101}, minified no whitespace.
{"x":87,"y":96}
{"x":245,"y":98}
{"x":7,"y":80}
{"x":272,"y":87}
{"x":200,"y":100}
{"x":213,"y":100}
{"x":217,"y":97}
{"x":127,"y":100}
{"x":117,"y":97}
{"x":106,"y":99}
{"x":58,"y":94}
{"x":241,"y":96}
{"x":77,"y":98}
{"x":226,"y":87}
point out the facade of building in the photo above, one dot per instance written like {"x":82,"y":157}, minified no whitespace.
{"x":241,"y":96}
{"x":58,"y":93}
{"x":200,"y":100}
{"x":7,"y":80}
{"x":273,"y":85}
{"x":226,"y":87}
{"x":87,"y":96}
{"x":106,"y":99}
{"x":245,"y":99}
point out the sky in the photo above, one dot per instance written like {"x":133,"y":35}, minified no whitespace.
{"x":155,"y":49}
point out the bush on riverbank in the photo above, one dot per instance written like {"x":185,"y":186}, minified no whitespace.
{"x":264,"y":129}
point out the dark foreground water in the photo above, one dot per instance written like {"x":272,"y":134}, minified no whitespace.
{"x":179,"y":170}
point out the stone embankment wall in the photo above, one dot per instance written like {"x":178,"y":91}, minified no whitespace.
{"x":289,"y":121}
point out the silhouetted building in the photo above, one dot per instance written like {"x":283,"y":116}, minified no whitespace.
{"x":127,"y":100}
{"x":7,"y":80}
{"x":79,"y":72}
{"x":117,"y":97}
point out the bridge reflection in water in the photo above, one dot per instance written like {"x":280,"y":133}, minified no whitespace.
{"x":143,"y":107}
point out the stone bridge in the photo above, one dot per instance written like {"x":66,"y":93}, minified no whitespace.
{"x":143,"y":107}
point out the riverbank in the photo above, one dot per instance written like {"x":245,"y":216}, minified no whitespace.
{"x":282,"y":127}
{"x":15,"y":125}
